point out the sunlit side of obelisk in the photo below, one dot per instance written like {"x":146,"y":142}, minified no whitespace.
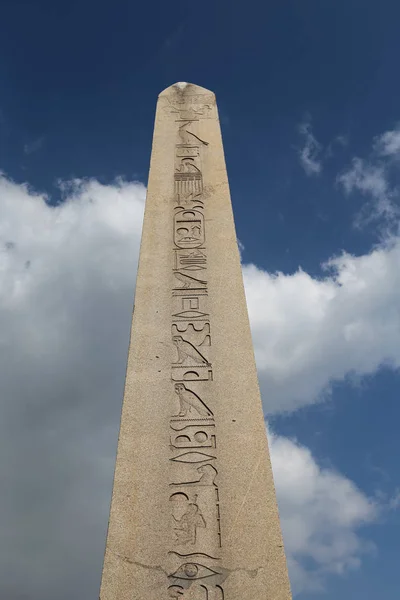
{"x":193,"y":513}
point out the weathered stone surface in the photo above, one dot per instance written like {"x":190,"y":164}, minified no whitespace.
{"x":194,"y":513}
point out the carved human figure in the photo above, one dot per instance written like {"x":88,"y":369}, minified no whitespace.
{"x":187,"y":350}
{"x":185,"y":528}
{"x":188,"y":400}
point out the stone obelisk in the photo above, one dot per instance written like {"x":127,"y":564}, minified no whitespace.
{"x":193,"y":513}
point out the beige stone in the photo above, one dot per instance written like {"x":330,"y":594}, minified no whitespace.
{"x":194,"y":513}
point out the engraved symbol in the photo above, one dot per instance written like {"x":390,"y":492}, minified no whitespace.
{"x":201,"y":112}
{"x":182,"y":151}
{"x":189,"y":234}
{"x":191,"y":436}
{"x":215,"y":594}
{"x":188,"y":400}
{"x":191,"y":302}
{"x":190,"y":260}
{"x":186,"y":524}
{"x":189,"y":282}
{"x":193,"y":457}
{"x":188,"y":307}
{"x":190,"y":314}
{"x":191,"y":107}
{"x":202,"y":373}
{"x":207,"y":473}
{"x":189,"y":199}
{"x":187,"y":165}
{"x":191,"y":571}
{"x":189,"y":230}
{"x":188,"y":177}
{"x":188,"y":137}
{"x":199,"y":336}
{"x":197,"y":566}
{"x":187,"y":350}
{"x":188,"y":186}
{"x":192,"y":113}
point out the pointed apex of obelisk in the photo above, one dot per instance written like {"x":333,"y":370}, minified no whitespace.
{"x":184,"y":88}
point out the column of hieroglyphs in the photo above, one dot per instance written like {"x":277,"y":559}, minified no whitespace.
{"x":196,"y":544}
{"x":193,"y":513}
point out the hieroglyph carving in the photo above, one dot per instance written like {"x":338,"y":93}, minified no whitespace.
{"x":197,"y":106}
{"x":190,"y":260}
{"x":194,"y":495}
{"x":195,"y":572}
{"x":186,"y":519}
{"x":189,"y":401}
{"x":189,"y":282}
{"x":189,"y":229}
{"x":187,"y":353}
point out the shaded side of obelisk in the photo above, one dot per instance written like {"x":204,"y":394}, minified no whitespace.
{"x":193,"y":513}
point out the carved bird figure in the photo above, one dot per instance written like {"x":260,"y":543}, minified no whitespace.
{"x":187,"y":137}
{"x":188,"y":400}
{"x":189,"y":281}
{"x":187,"y":350}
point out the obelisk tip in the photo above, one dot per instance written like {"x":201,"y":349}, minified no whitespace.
{"x":184,"y":88}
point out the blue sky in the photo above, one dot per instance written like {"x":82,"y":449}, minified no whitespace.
{"x":308,"y":96}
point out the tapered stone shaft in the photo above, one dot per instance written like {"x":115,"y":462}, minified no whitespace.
{"x":193,"y":513}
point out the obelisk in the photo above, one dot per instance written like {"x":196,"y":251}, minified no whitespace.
{"x":193,"y":512}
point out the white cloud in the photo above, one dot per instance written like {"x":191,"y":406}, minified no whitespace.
{"x":66,"y":294}
{"x":309,"y":154}
{"x":365,"y":177}
{"x":310,"y":332}
{"x":371,"y":178}
{"x":312,"y":155}
{"x":388,"y":144}
{"x":321,"y":512}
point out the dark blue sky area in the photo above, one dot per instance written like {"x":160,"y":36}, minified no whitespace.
{"x":83,"y":77}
